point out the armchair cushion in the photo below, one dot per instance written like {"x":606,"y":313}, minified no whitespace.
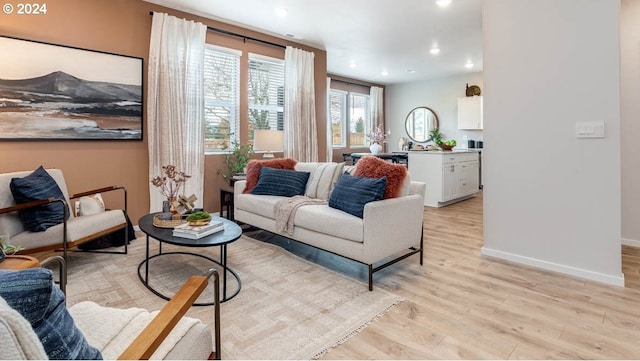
{"x":34,"y":295}
{"x":351,"y":193}
{"x":38,"y":185}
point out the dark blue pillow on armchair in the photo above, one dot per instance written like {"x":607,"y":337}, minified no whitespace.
{"x":35,"y":296}
{"x":352,"y":193}
{"x":38,"y":185}
{"x":281,"y":182}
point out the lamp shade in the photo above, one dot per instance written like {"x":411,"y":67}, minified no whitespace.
{"x":268,"y":140}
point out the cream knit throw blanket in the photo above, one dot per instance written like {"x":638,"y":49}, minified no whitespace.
{"x":285,"y":211}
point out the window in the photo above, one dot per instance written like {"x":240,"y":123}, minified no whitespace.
{"x":266,"y":93}
{"x":358,"y":118}
{"x":338,"y":117}
{"x":221,"y":97}
{"x":349,"y":116}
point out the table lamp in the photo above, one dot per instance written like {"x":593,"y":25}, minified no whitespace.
{"x":268,"y":140}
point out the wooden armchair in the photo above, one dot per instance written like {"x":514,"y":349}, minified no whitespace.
{"x":93,"y":320}
{"x":72,"y":232}
{"x":152,"y":336}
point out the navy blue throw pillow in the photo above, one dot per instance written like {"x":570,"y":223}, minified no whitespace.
{"x":34,"y":295}
{"x":281,"y":182}
{"x":38,"y":185}
{"x":351,"y":193}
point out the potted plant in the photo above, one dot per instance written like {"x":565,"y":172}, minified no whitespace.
{"x":236,"y":159}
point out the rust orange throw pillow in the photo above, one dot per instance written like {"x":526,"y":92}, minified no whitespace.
{"x":253,"y":169}
{"x":374,"y":167}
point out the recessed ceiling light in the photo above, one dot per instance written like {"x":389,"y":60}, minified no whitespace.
{"x":443,"y":3}
{"x":281,"y":12}
{"x":384,"y":73}
{"x":435,"y":51}
{"x":468,"y":65}
{"x":352,"y":65}
{"x":289,"y":35}
{"x":411,"y":71}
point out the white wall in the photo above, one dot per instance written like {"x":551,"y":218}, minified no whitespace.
{"x":551,"y":200}
{"x":441,"y":95}
{"x":630,"y":120}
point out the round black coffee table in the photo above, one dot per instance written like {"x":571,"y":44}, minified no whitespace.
{"x":165,"y":235}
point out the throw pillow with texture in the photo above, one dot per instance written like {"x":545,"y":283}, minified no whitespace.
{"x":281,"y":182}
{"x":352,"y":193}
{"x":89,"y":205}
{"x":322,"y":179}
{"x":35,"y":296}
{"x":253,"y":169}
{"x":374,"y":167}
{"x":38,"y":185}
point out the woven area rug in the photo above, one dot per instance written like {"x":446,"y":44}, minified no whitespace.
{"x":288,"y":308}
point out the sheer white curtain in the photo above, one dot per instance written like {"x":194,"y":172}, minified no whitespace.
{"x":376,"y":107}
{"x":329,"y":129}
{"x":175,"y":103}
{"x":301,"y":140}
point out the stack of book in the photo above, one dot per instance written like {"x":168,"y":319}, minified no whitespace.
{"x":196,"y":232}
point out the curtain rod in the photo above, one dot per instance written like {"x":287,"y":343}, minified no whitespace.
{"x":244,"y":37}
{"x":351,"y":83}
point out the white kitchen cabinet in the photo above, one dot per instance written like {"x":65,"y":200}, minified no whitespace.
{"x":450,"y":176}
{"x":470,"y":112}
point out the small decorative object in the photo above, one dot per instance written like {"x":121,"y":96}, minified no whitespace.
{"x":448,"y":145}
{"x":376,"y":137}
{"x":199,"y":218}
{"x":185,"y":204}
{"x":170,"y":183}
{"x":473,"y":90}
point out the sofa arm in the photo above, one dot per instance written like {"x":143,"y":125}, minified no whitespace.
{"x":392,"y":225}
{"x":159,"y":328}
{"x":239,"y":186}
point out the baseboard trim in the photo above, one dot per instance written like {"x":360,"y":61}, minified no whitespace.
{"x":631,"y":242}
{"x":573,"y":271}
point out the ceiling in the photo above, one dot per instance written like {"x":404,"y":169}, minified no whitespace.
{"x":364,"y":38}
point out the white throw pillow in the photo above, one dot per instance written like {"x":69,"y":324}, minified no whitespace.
{"x":90,"y":205}
{"x":322,"y":179}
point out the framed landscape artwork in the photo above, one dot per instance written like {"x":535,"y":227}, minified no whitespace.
{"x":52,"y":92}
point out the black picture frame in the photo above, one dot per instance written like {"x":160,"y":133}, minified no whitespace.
{"x":57,"y":92}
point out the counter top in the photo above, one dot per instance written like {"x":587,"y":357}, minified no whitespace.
{"x":445,"y":152}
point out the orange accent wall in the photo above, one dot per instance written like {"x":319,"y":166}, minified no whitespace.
{"x":123,"y":27}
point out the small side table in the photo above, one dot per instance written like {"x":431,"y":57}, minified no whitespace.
{"x":19,"y":262}
{"x":226,"y":201}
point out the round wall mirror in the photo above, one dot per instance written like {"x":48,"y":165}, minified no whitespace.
{"x":420,"y":122}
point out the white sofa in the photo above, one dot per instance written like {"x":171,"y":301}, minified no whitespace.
{"x":390,"y":230}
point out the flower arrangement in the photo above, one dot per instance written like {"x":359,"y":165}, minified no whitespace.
{"x":377,"y":136}
{"x":171,"y":182}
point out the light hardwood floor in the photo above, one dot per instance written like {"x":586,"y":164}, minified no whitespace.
{"x":462,"y":305}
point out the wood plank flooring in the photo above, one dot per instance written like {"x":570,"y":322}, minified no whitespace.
{"x":462,"y":305}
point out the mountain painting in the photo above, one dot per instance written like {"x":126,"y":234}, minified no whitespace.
{"x":60,"y":105}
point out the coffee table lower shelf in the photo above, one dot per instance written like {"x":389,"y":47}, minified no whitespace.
{"x":225,"y":269}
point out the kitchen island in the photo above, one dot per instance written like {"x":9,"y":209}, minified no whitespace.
{"x":450,"y":176}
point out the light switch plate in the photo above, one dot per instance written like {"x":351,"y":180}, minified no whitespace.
{"x":590,"y":130}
